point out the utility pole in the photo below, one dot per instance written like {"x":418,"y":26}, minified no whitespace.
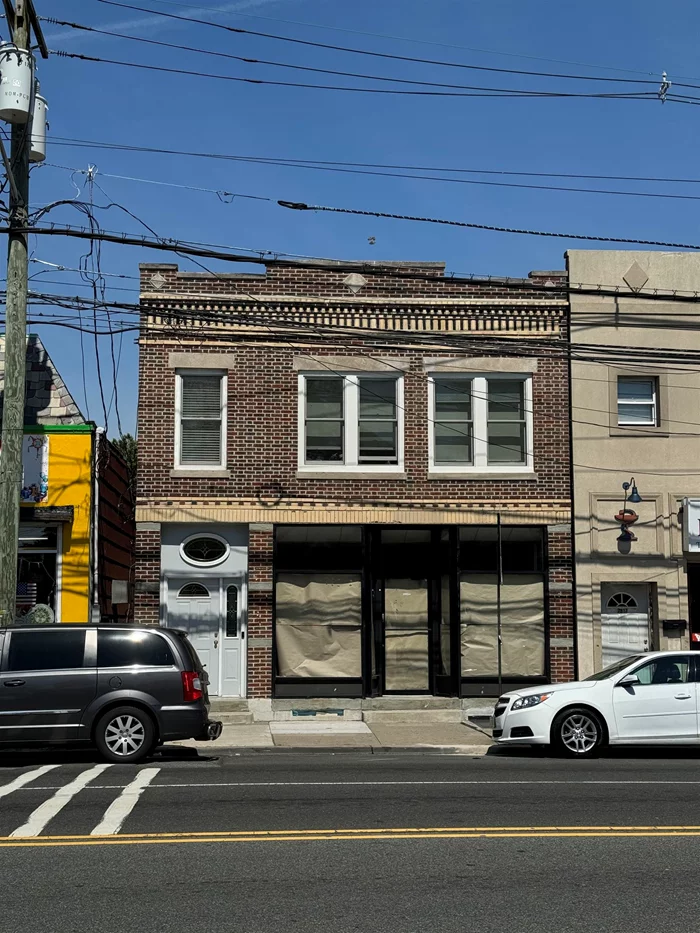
{"x":20,"y":20}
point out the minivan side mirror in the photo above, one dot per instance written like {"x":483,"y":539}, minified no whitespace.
{"x":631,"y":680}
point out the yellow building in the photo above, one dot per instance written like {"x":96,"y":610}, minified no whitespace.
{"x":55,"y":539}
{"x":76,"y":510}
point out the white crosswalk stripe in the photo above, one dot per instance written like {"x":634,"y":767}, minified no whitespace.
{"x":25,"y":778}
{"x":40,"y":817}
{"x":119,"y":809}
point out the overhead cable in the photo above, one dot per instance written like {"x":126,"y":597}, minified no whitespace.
{"x":300,"y":206}
{"x":477,"y":90}
{"x":348,"y":74}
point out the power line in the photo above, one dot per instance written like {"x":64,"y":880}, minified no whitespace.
{"x":478,"y":91}
{"x":228,"y":197}
{"x":366,"y":52}
{"x":299,"y":206}
{"x":349,"y":74}
{"x":222,"y":193}
{"x":379,"y":35}
{"x":284,"y":160}
{"x":188,"y":248}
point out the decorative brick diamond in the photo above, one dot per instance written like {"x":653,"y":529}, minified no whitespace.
{"x":354,"y":282}
{"x":157,"y":281}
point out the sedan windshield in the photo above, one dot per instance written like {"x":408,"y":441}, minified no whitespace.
{"x":615,"y":668}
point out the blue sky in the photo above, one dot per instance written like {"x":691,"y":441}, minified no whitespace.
{"x":91,"y":101}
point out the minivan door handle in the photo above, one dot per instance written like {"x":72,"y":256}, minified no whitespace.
{"x":14,"y":683}
{"x":682,"y":696}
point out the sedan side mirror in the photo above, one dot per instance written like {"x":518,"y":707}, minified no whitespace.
{"x":631,"y":680}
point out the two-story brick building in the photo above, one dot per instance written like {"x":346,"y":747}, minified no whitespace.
{"x":325,"y":453}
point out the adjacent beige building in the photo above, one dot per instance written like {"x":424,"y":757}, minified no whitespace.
{"x":636,"y":415}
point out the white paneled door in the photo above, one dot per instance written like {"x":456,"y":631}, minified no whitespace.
{"x":624,"y":620}
{"x":212,"y":612}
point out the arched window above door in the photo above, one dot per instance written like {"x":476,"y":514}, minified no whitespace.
{"x":193,"y":591}
{"x":622,"y":602}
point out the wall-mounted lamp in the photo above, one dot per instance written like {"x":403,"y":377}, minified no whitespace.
{"x":626,"y":516}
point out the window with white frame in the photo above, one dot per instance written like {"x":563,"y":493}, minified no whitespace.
{"x":200,"y":429}
{"x":637,"y":401}
{"x":480,"y":422}
{"x":350,"y":421}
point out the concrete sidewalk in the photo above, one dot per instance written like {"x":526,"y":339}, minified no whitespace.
{"x":457,"y":738}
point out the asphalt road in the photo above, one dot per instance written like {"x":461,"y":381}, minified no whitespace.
{"x":396,"y":843}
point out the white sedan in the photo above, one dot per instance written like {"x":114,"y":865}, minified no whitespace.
{"x":644,"y":699}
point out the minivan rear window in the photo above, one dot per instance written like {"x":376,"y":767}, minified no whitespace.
{"x":132,"y":649}
{"x":46,"y":651}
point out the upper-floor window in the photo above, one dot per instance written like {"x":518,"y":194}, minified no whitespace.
{"x":350,"y":422}
{"x":637,"y":400}
{"x":480,"y":423}
{"x":200,"y":432}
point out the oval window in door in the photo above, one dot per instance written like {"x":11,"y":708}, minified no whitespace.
{"x":232,"y":612}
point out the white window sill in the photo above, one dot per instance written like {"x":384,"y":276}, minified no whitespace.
{"x":434,"y":474}
{"x":350,"y":473}
{"x":195,"y":472}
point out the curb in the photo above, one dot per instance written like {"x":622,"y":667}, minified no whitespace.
{"x":212,"y":750}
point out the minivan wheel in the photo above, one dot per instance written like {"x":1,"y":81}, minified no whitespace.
{"x":578,"y":733}
{"x":125,"y":735}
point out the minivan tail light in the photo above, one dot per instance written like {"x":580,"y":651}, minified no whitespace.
{"x":191,"y":686}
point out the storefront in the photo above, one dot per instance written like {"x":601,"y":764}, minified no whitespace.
{"x":371,"y":610}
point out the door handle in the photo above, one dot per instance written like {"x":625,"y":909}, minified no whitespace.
{"x":682,"y":696}
{"x":14,"y":683}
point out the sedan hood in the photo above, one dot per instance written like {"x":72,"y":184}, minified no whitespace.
{"x":552,"y":688}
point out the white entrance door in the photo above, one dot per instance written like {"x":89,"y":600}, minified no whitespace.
{"x":624,"y":620}
{"x":233,"y":636}
{"x":212,"y":612}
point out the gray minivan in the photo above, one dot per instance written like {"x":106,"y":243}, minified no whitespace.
{"x":123,"y":688}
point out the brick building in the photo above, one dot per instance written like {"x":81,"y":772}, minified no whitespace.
{"x":325,"y":452}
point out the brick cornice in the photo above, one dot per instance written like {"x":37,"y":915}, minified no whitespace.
{"x":462,"y":512}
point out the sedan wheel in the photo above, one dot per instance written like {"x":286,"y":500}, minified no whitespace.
{"x":578,"y":733}
{"x":125,"y":734}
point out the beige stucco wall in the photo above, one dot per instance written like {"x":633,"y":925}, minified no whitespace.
{"x":665,"y":461}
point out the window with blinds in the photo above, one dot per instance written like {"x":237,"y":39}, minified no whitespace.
{"x":201,"y":406}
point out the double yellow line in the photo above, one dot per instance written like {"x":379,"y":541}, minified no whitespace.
{"x":352,"y":835}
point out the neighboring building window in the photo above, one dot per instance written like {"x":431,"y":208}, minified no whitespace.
{"x":132,"y":649}
{"x":46,"y":651}
{"x":201,"y":419}
{"x":206,"y":550}
{"x":193,"y":591}
{"x":480,"y":423}
{"x":350,"y":421}
{"x":637,"y":401}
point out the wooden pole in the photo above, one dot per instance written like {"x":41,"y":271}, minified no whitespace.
{"x":15,"y":348}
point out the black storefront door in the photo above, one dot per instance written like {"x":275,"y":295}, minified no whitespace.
{"x":411,"y":641}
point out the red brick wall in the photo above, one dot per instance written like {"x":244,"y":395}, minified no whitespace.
{"x":561,"y":605}
{"x":147,"y":587}
{"x":262,"y":432}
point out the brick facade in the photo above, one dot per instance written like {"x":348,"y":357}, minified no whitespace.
{"x":259,"y":324}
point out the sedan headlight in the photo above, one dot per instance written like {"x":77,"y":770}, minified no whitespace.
{"x":534,"y":700}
